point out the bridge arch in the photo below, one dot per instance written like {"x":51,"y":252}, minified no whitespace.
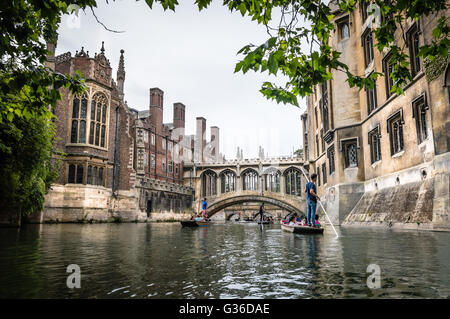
{"x":239,"y":199}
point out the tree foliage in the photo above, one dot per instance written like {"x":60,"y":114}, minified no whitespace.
{"x":28,"y":91}
{"x":26,"y":163}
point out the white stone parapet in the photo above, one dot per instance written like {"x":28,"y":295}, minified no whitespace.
{"x":252,"y":161}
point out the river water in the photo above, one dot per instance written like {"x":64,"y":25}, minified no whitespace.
{"x":230,"y":260}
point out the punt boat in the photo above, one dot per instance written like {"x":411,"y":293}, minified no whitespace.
{"x":301,"y":229}
{"x":194,"y":223}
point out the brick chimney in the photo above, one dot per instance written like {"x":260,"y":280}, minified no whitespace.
{"x":178,"y":121}
{"x":156,"y":109}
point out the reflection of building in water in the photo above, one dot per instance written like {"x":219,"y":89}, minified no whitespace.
{"x":381,"y":157}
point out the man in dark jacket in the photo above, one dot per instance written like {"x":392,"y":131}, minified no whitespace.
{"x":311,"y":199}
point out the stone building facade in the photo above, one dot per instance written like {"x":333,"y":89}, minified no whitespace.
{"x":118,"y":164}
{"x":381,"y":158}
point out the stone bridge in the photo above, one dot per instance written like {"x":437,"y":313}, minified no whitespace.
{"x":275,"y":181}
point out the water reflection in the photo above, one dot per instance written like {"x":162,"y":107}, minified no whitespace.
{"x":220,"y":261}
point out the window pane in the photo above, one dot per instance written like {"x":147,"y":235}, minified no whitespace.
{"x":99,"y":110}
{"x":104,"y":114}
{"x":97,"y":133}
{"x":344,"y":31}
{"x":91,"y":133}
{"x":93,"y":110}
{"x":83,"y":108}
{"x":94,"y":176}
{"x":80,"y":174}
{"x":71,"y":178}
{"x":352,"y":160}
{"x":76,"y":106}
{"x":73,"y":134}
{"x":100,"y":176}
{"x":89,"y":175}
{"x":103,"y":136}
{"x":82,"y":137}
{"x":423,"y":118}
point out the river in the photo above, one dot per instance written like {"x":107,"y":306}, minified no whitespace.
{"x":228,"y":260}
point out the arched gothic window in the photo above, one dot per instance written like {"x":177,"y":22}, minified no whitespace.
{"x":78,"y":126}
{"x":273,"y":180}
{"x":250,"y":178}
{"x":293,"y":181}
{"x":228,"y":181}
{"x":97,"y":129}
{"x":209,"y":183}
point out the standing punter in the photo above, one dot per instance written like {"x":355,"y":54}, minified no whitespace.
{"x":312,"y":198}
{"x":204,"y":207}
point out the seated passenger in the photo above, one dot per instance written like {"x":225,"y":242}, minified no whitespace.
{"x":317,"y":224}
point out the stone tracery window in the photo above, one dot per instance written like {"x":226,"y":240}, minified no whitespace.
{"x":209,"y":183}
{"x":78,"y":126}
{"x":97,"y":129}
{"x":273,"y":177}
{"x":293,"y":181}
{"x":250,"y":178}
{"x":228,"y":181}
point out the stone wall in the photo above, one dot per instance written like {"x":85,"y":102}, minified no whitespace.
{"x":339,"y":201}
{"x":419,"y":202}
{"x":73,"y":203}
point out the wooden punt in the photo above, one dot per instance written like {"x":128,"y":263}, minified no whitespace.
{"x":301,"y":229}
{"x":194,"y":223}
{"x":265,"y":222}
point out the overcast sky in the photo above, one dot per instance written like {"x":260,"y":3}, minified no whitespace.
{"x":191,"y":56}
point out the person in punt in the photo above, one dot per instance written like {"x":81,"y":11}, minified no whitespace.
{"x":312,"y":198}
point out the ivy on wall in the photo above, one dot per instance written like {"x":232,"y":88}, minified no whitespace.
{"x":434,"y":68}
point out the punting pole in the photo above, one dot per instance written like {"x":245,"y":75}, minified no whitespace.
{"x":321,"y":205}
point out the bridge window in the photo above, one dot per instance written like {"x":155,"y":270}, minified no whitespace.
{"x":250,"y":178}
{"x":273,"y":181}
{"x":209,"y":181}
{"x":293,"y":182}
{"x":228,"y":181}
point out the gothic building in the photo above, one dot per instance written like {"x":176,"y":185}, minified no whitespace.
{"x":118,"y":163}
{"x":381,"y":157}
